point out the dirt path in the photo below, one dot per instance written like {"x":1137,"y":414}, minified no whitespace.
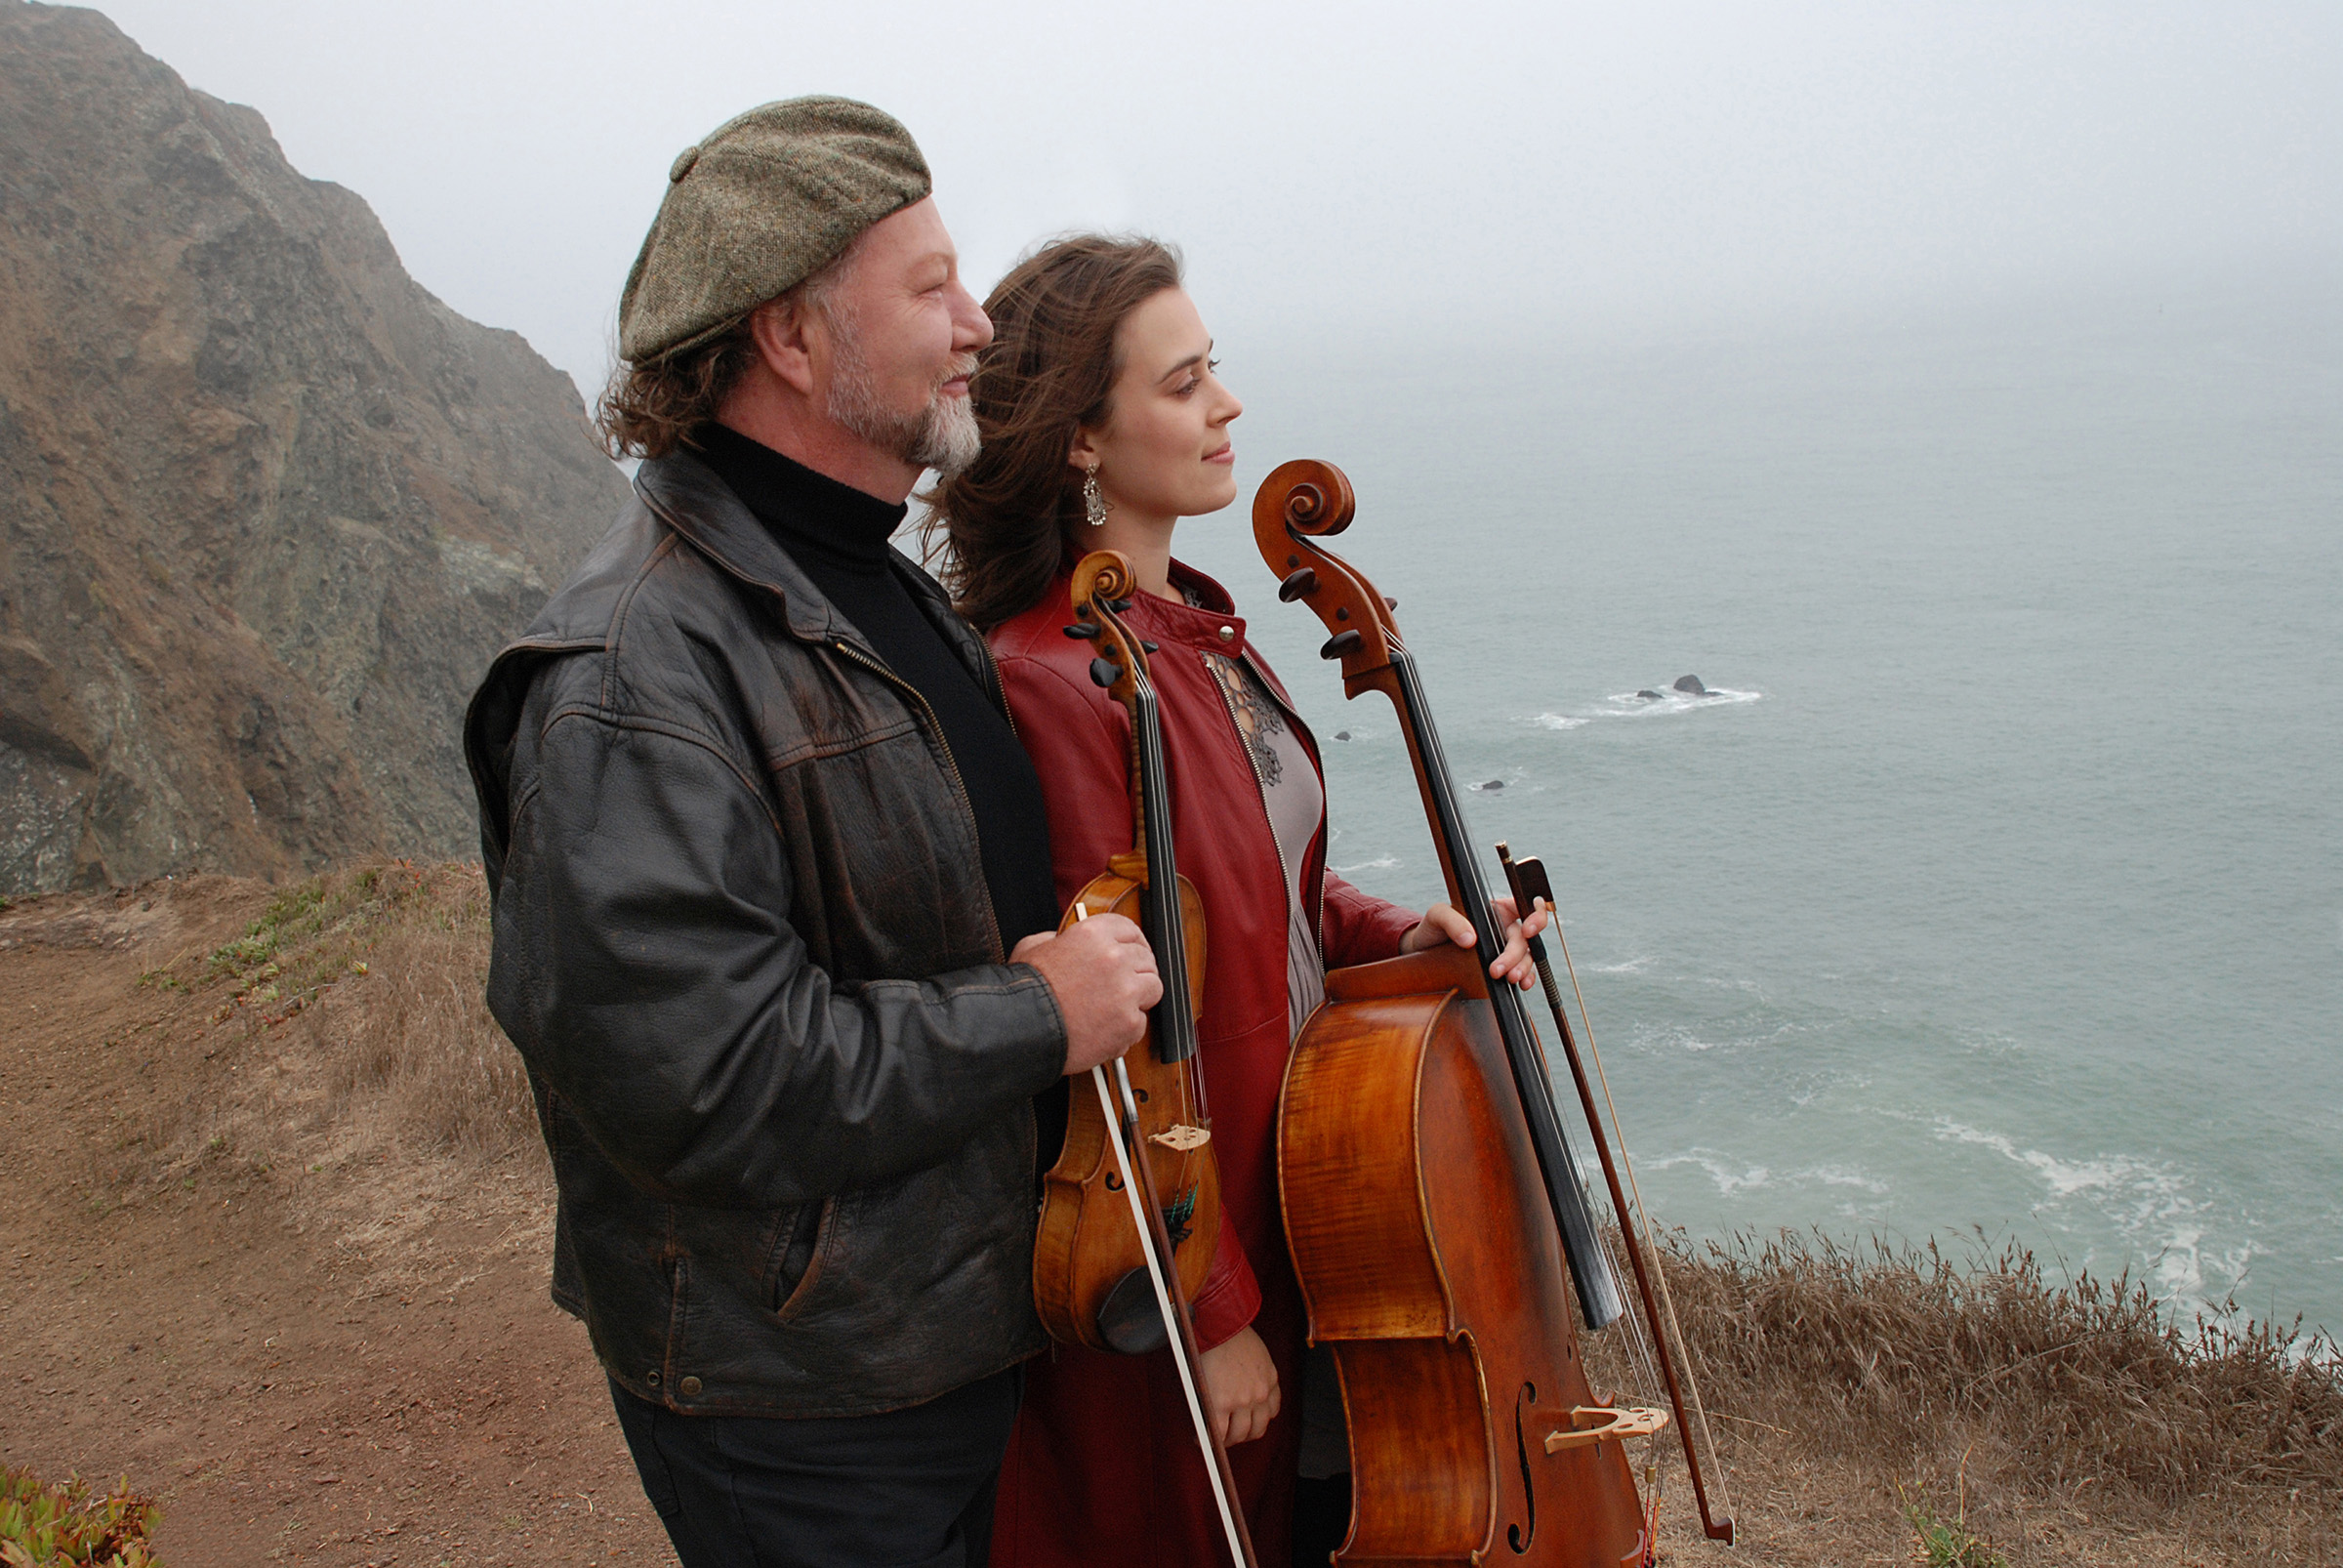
{"x":290,"y":1388}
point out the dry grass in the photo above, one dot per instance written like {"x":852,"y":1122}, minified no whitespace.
{"x":346,"y":1024}
{"x":1962,"y":1375}
{"x":422,"y":1051}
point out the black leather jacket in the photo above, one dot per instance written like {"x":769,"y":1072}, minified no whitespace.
{"x":744,"y":941}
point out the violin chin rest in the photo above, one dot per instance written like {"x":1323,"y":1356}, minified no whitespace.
{"x":1130,"y":1319}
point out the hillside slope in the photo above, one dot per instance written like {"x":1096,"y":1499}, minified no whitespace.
{"x":266,"y":505}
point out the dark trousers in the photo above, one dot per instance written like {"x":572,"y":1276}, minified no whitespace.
{"x":907,"y":1489}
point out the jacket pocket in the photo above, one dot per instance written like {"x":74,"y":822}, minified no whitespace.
{"x":798,"y":1251}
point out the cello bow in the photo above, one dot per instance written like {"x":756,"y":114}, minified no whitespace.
{"x":1531,"y":889}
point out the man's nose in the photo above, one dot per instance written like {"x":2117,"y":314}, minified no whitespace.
{"x":971,"y":328}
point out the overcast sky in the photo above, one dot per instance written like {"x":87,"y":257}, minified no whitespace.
{"x":1557,"y":170}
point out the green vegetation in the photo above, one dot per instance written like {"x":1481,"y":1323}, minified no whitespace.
{"x":43,"y":1524}
{"x":1949,"y":1545}
{"x":307,"y":938}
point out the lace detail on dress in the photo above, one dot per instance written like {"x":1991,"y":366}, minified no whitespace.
{"x":1257,"y":718}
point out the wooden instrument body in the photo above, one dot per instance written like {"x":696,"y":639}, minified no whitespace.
{"x":1086,"y":1244}
{"x":1430,"y":1264}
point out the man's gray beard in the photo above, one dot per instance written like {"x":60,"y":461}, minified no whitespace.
{"x":941,"y":437}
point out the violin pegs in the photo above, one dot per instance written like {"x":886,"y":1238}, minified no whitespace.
{"x":1389,"y":602}
{"x":1121,"y":606}
{"x":1340,"y":645}
{"x":1103,"y":671}
{"x":1082,"y":628}
{"x":1146,"y":646}
{"x":1304,"y":580}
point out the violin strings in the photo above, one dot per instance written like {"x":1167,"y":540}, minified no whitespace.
{"x":1692,"y":1387}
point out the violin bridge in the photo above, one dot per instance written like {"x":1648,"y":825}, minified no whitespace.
{"x":1180,"y":1140}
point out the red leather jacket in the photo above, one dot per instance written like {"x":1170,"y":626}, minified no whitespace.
{"x":1079,"y":739}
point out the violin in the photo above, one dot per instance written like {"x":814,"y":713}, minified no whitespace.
{"x":1130,"y":1212}
{"x":1437,"y":1221}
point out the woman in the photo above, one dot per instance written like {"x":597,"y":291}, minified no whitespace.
{"x":1104,"y":423}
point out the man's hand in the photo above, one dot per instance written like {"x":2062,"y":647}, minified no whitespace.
{"x":1102,"y":972}
{"x":1444,"y":922}
{"x":1240,"y":1387}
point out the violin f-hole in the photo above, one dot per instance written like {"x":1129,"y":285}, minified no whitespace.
{"x":1516,"y":1536}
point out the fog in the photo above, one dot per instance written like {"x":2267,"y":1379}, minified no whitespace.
{"x":1389,"y":174}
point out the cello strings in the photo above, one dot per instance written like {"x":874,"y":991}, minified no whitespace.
{"x":1163,"y":1300}
{"x":1643,"y":1367}
{"x":1700,"y":1406}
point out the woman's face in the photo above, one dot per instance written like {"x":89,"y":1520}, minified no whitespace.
{"x":1164,"y":452}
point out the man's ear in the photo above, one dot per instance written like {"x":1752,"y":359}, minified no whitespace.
{"x":789,"y":341}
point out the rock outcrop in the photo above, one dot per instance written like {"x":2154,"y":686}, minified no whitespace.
{"x":266,"y":505}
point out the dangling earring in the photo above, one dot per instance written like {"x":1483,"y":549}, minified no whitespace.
{"x":1094,"y":505}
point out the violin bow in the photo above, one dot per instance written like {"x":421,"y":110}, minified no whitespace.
{"x":1531,"y":889}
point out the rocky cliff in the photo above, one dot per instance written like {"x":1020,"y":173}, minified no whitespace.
{"x":266,"y":505}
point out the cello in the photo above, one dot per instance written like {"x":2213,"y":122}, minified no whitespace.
{"x":1131,"y":1207}
{"x":1431,"y":1205}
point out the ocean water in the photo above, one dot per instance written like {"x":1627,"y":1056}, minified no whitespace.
{"x":1997,"y":892}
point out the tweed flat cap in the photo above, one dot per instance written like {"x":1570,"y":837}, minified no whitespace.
{"x":763,"y":203}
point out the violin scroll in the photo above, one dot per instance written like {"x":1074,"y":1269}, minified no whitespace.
{"x":1103,"y":574}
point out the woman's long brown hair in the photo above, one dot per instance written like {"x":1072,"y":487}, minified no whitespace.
{"x":1047,"y":374}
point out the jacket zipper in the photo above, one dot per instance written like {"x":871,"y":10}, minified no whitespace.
{"x":951,"y":762}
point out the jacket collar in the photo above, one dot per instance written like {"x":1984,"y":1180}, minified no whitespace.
{"x":1213,"y":625}
{"x":687,"y":495}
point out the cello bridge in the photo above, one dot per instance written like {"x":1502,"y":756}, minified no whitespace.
{"x":1609,"y":1425}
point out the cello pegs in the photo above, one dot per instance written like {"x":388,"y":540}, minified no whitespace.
{"x":1340,"y":645}
{"x":1297,"y":584}
{"x":1082,"y":630}
{"x":1103,"y":671}
{"x":1146,"y":646}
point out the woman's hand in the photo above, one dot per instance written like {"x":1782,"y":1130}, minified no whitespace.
{"x":1443,"y":922}
{"x":1240,"y":1387}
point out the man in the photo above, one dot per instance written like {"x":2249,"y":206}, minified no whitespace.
{"x":772,"y":883}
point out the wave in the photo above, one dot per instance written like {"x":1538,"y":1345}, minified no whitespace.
{"x":1378,"y":863}
{"x":1731,"y":1176}
{"x":1634,"y":705}
{"x":2146,"y":1201}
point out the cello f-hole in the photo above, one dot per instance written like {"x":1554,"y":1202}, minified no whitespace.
{"x":1516,"y":1536}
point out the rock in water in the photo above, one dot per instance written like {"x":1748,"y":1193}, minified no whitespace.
{"x":1341,"y":734}
{"x":269,"y":506}
{"x":1648,"y":694}
{"x":1690,"y":685}
{"x":1494,"y":784}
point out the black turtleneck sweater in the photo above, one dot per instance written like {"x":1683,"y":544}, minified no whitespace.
{"x":838,"y":535}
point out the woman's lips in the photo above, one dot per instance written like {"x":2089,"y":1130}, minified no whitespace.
{"x":1226,"y":454}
